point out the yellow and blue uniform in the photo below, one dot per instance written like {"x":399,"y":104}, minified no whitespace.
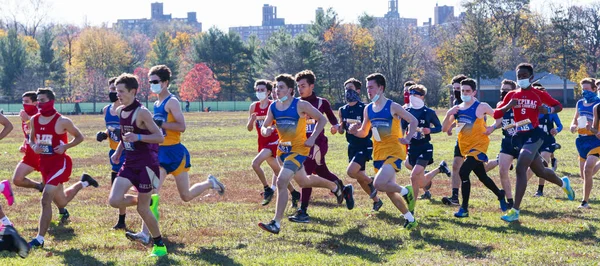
{"x":292,"y":136}
{"x":172,"y":155}
{"x":472,"y":139}
{"x":587,"y":143}
{"x":388,"y":149}
{"x":114,"y":137}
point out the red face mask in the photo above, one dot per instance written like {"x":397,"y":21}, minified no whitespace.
{"x":30,"y":109}
{"x":47,"y":108}
{"x":406,"y":96}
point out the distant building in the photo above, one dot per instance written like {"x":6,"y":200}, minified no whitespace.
{"x":442,"y":14}
{"x":392,"y":17}
{"x":489,"y":89}
{"x":156,"y":15}
{"x":270,"y":24}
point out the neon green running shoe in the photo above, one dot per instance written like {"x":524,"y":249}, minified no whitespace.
{"x":154,"y":206}
{"x":158,"y":251}
{"x":410,"y":225}
{"x":511,"y":216}
{"x":410,"y":199}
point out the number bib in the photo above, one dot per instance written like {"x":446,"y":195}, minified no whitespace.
{"x":46,"y":149}
{"x":285,"y":147}
{"x":310,"y":125}
{"x":114,"y":132}
{"x":128,"y":146}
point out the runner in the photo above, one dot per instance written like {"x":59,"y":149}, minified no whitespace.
{"x":473,"y":140}
{"x":360,"y":150}
{"x":508,"y":151}
{"x":48,"y":138}
{"x":267,"y":146}
{"x":5,"y":188}
{"x":383,"y":116}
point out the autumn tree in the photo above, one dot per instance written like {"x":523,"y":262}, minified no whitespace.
{"x":200,"y":83}
{"x":144,"y":89}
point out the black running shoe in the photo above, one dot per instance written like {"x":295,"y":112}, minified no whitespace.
{"x":373,"y":190}
{"x":120,"y":226}
{"x":377,"y":205}
{"x":295,"y":199}
{"x":557,"y":146}
{"x":349,"y":196}
{"x":444,"y":168}
{"x":554,"y":164}
{"x":271,"y":227}
{"x":267,"y":196}
{"x":339,"y":194}
{"x":64,"y":217}
{"x":18,"y":244}
{"x":450,"y":201}
{"x":87,"y":178}
{"x":426,"y":195}
{"x":300,"y":217}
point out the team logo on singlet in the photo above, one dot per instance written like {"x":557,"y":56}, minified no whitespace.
{"x":44,"y":141}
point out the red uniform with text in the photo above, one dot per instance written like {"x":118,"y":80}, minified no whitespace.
{"x":55,"y":168}
{"x":271,"y":141}
{"x":527,"y":107}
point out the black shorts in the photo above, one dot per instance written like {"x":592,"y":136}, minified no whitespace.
{"x":420,"y":154}
{"x":457,"y":151}
{"x":508,"y":147}
{"x":360,"y":155}
{"x":528,"y":137}
{"x":548,"y":145}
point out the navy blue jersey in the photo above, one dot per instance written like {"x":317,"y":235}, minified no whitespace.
{"x":427,"y":119}
{"x":355,"y":112}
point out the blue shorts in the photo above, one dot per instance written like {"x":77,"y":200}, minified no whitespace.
{"x":548,"y":145}
{"x":395,"y":162}
{"x":360,"y":155}
{"x":292,"y":161}
{"x":175,"y":159}
{"x":116,"y":167}
{"x":587,"y":145}
{"x":509,"y":147}
{"x":420,"y":154}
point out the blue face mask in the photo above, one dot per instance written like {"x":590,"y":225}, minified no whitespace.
{"x":589,"y":96}
{"x":282,"y":99}
{"x":351,"y":96}
{"x":465,"y":98}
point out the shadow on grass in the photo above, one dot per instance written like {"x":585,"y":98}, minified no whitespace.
{"x":340,"y":244}
{"x":75,"y":257}
{"x":467,"y":250}
{"x":327,"y":204}
{"x":61,"y":233}
{"x":210,"y":255}
{"x":548,"y":215}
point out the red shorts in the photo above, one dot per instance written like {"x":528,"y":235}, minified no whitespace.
{"x":31,"y":158}
{"x":272,"y":146}
{"x":56,"y":170}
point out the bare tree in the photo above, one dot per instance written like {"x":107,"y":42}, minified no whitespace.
{"x":25,"y":16}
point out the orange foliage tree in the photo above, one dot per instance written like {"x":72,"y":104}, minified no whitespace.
{"x":199,"y":83}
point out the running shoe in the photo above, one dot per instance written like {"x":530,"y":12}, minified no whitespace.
{"x":267,"y":196}
{"x":444,"y":168}
{"x":349,"y":196}
{"x":568,"y":189}
{"x":377,"y":205}
{"x":511,"y":216}
{"x":138,"y":237}
{"x":91,"y":181}
{"x":8,"y":193}
{"x":300,"y":217}
{"x":410,"y":199}
{"x":216,"y":185}
{"x":158,"y":251}
{"x":461,"y":213}
{"x":271,"y":227}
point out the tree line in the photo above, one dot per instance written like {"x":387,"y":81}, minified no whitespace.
{"x":492,"y":36}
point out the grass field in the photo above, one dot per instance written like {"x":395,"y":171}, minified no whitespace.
{"x":223,"y":230}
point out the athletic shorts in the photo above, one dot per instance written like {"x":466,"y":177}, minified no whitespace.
{"x":586,"y":146}
{"x":31,"y":158}
{"x":360,"y":155}
{"x":316,"y":157}
{"x":56,"y":169}
{"x":548,"y":145}
{"x":457,"y":150}
{"x":420,"y":154}
{"x":395,"y":162}
{"x":175,"y":159}
{"x":143,"y":178}
{"x":508,"y":147}
{"x":528,"y":137}
{"x":292,"y":161}
{"x":116,"y":167}
{"x":272,"y":146}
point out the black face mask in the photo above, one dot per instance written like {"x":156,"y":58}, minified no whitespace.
{"x":112,"y":96}
{"x":457,"y":96}
{"x":503,"y":94}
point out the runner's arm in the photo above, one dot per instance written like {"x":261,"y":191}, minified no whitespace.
{"x":155,"y":135}
{"x":329,"y":113}
{"x":449,"y":119}
{"x":307,"y":108}
{"x":435,"y":121}
{"x":73,"y":130}
{"x":504,"y":106}
{"x":556,"y":119}
{"x":413,"y":123}
{"x":174,"y":108}
{"x":266,"y":127}
{"x":573,"y":126}
{"x":554,"y":104}
{"x":341,"y":128}
{"x":8,"y":126}
{"x":365,"y":126}
{"x":251,"y":117}
{"x":595,"y":123}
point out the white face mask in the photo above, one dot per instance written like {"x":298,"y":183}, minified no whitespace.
{"x":523,"y":83}
{"x":261,"y":95}
{"x":416,"y":102}
{"x":156,"y":88}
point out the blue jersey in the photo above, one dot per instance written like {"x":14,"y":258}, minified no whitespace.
{"x":113,"y":127}
{"x":355,"y":112}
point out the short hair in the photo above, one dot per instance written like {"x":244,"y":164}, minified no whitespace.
{"x":31,"y":95}
{"x":111,"y":81}
{"x":458,"y":78}
{"x":288,"y":80}
{"x":46,"y":91}
{"x":469,"y":82}
{"x":163,"y":72}
{"x":537,"y":84}
{"x":527,"y":66}
{"x":590,"y":81}
{"x":266,"y":83}
{"x":510,"y":83}
{"x":378,"y":78}
{"x":409,"y":83}
{"x":130,"y":81}
{"x":356,"y":82}
{"x":420,"y":88}
{"x":308,"y":75}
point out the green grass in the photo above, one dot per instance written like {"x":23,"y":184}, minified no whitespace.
{"x":223,"y":230}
